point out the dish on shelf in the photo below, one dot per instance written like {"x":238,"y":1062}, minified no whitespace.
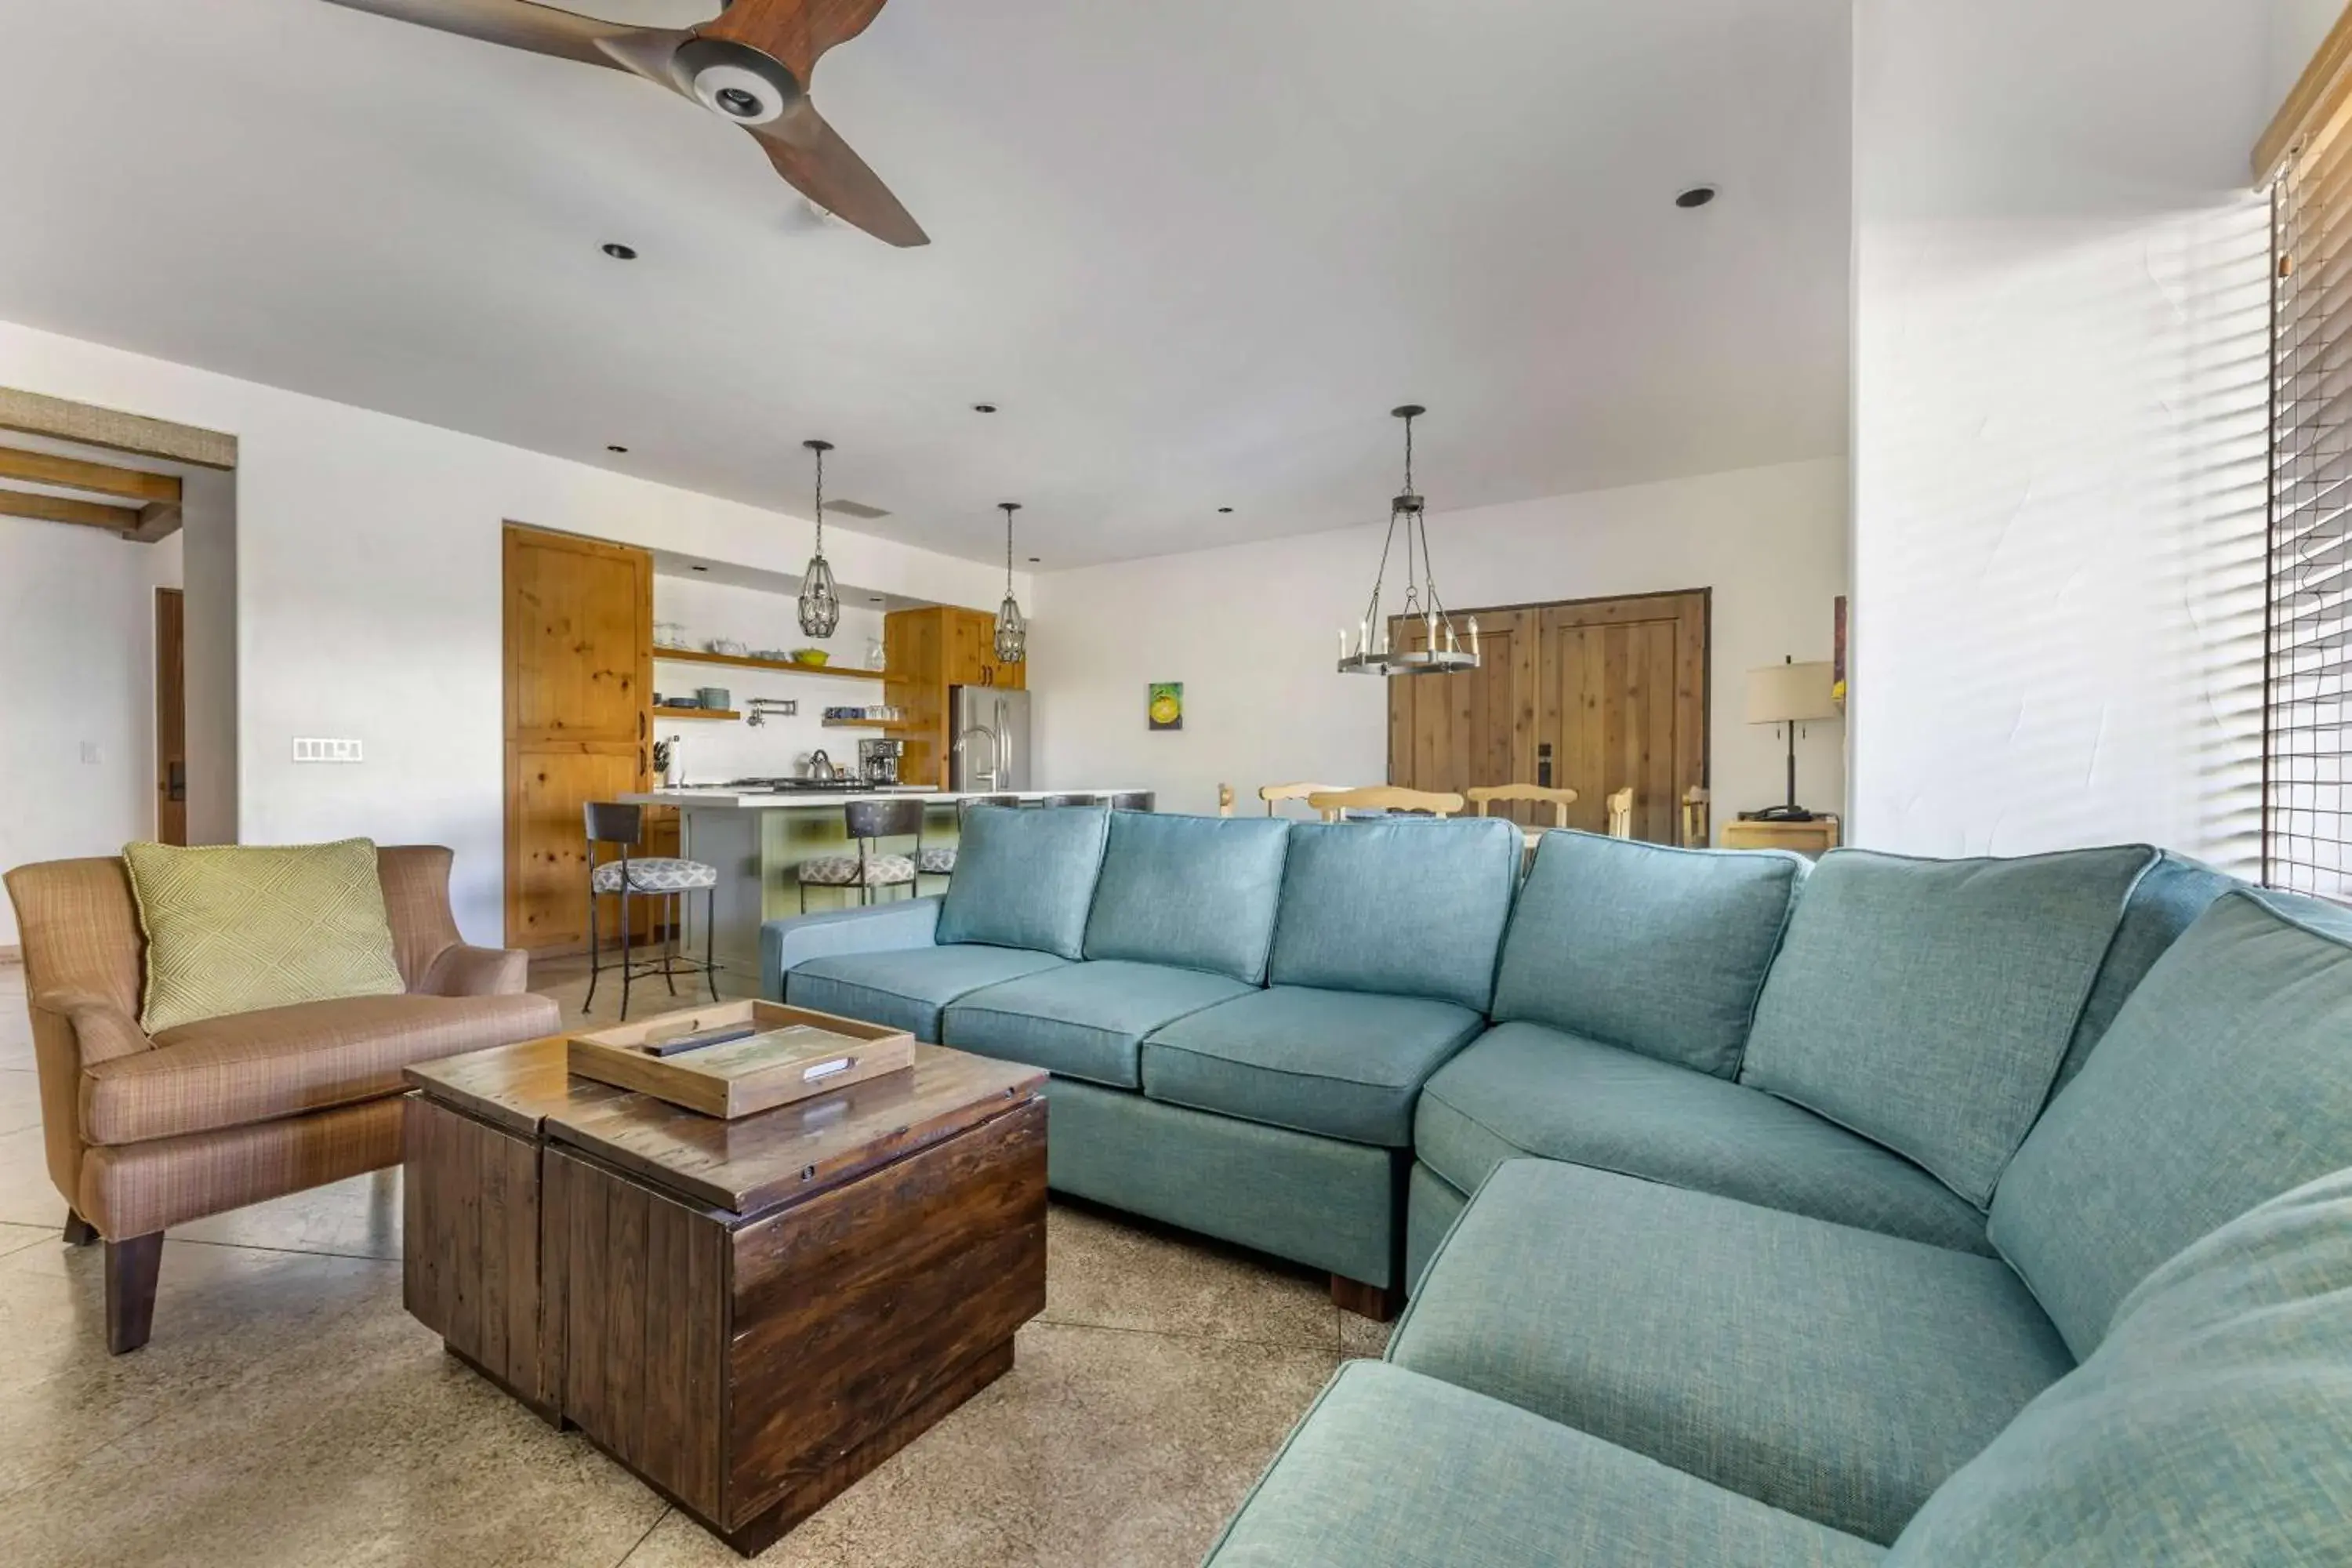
{"x":814,"y":658}
{"x":727,"y":646}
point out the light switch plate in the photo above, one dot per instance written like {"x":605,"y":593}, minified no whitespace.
{"x":308,"y":750}
{"x":90,"y":754}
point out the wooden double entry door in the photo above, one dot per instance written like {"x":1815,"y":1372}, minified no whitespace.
{"x":1593,"y":695}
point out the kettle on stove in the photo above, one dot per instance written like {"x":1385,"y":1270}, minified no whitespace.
{"x":819,"y":768}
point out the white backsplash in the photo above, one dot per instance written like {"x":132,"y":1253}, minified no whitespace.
{"x":718,"y":750}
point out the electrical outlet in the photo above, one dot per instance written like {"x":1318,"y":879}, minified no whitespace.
{"x":324,"y":751}
{"x":90,"y":754}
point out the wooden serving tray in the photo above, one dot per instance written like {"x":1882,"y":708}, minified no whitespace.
{"x":821,"y":1053}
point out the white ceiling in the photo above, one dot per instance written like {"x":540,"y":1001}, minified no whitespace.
{"x":1196,"y":251}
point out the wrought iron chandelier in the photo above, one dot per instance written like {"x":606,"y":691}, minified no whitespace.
{"x":820,"y":602}
{"x":1011,"y":627}
{"x":1443,"y":652}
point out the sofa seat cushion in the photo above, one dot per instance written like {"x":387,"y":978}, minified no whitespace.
{"x":2221,"y":1084}
{"x":1659,"y":949}
{"x":281,"y":1061}
{"x":1344,"y":1064}
{"x":2213,"y":1426}
{"x":1928,"y":1004}
{"x":1833,"y":1372}
{"x":906,"y":987}
{"x":1522,"y":1090}
{"x":1082,"y":1020}
{"x":1396,"y":1471}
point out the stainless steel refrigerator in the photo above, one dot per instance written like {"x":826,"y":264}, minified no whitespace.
{"x":987,"y":752}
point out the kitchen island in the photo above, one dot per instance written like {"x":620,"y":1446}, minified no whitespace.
{"x":759,"y":837}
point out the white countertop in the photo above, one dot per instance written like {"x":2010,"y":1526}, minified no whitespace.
{"x":718,"y":796}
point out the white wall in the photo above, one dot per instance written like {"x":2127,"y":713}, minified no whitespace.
{"x":718,"y":750}
{"x":367,"y":592}
{"x":2060,"y":424}
{"x":1252,"y":631}
{"x":208,"y":656}
{"x":78,"y":638}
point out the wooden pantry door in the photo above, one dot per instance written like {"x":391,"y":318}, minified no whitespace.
{"x":1599,"y":694}
{"x":579,"y":682}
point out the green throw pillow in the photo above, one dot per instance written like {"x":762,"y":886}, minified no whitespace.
{"x":235,"y":928}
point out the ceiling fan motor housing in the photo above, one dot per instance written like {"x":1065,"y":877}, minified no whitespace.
{"x":736,"y":83}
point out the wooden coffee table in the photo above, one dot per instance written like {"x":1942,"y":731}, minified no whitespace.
{"x":751,"y":1315}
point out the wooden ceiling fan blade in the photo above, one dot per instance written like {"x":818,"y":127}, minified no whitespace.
{"x":794,"y":32}
{"x":811,"y":156}
{"x":516,"y":24}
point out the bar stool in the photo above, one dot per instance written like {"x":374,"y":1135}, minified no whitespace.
{"x":865,"y":822}
{"x":1073,"y":800}
{"x":644,"y":876}
{"x":1135,"y":800}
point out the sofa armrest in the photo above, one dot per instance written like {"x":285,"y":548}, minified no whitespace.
{"x":102,"y":1031}
{"x":785,"y":945}
{"x":460,"y":970}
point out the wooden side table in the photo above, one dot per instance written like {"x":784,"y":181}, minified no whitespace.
{"x":1815,"y":837}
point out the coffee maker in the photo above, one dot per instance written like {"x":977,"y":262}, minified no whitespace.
{"x":877,"y":761}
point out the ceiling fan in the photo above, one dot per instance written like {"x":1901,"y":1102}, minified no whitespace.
{"x":749,"y":65}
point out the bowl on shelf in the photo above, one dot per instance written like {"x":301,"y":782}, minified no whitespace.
{"x":814,"y":658}
{"x":727,"y":646}
{"x":712,"y":696}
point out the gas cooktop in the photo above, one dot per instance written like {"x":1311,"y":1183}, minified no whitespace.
{"x":812,"y":786}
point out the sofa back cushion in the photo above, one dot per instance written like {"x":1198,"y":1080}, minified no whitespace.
{"x":1413,"y":909}
{"x":236,"y":928}
{"x":1024,"y":878}
{"x":1660,"y":951}
{"x":2222,"y":1083}
{"x":2214,"y":1425}
{"x":2166,"y":902}
{"x":1927,"y":1004}
{"x":1192,"y":892}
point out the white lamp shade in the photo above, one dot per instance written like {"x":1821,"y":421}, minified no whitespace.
{"x":1791,"y":693}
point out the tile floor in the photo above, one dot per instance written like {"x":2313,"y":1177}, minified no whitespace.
{"x":288,"y":1413}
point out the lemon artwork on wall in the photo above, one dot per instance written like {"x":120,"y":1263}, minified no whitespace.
{"x":1165,"y":705}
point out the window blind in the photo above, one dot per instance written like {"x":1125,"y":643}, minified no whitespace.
{"x":2307,"y":674}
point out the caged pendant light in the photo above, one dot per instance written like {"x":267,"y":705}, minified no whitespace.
{"x":820,"y":602}
{"x":1444,"y":652}
{"x":1011,"y":627}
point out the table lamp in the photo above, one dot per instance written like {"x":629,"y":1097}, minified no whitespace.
{"x":1790,"y":694}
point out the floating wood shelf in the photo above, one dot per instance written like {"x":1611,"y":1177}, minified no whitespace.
{"x":661,"y":713}
{"x":745,"y":662}
{"x":866,"y":724}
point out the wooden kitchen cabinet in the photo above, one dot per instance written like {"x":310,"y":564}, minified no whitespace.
{"x":924,"y":652}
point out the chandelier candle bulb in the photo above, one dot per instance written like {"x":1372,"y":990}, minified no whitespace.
{"x":1474,"y":640}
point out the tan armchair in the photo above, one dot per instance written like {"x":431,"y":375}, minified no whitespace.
{"x":145,"y":1132}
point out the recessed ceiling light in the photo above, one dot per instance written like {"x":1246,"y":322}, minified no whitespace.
{"x":1224,"y":508}
{"x":613,"y":448}
{"x":874,"y":598}
{"x":1696,"y":196}
{"x":983,"y":408}
{"x":1035,"y":559}
{"x":702,"y":569}
{"x":620,"y":252}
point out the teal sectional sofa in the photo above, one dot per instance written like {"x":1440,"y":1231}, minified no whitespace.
{"x":1679,"y":1326}
{"x":1238,"y":1014}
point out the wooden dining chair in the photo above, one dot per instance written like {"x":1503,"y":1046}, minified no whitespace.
{"x":1560,"y":800}
{"x":1621,"y":812}
{"x":1275,"y":794}
{"x":1334,"y":805}
{"x":1697,"y":832}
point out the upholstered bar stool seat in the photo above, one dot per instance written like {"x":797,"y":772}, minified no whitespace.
{"x":881,"y":871}
{"x":937,"y":860}
{"x":653,"y":874}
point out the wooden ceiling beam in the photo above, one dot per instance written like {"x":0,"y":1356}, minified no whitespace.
{"x":97,"y":478}
{"x":156,"y":520}
{"x":58,"y":509}
{"x":37,"y":414}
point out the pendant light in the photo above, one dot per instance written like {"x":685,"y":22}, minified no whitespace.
{"x":1011,"y":627}
{"x":1443,"y":652}
{"x":820,"y":602}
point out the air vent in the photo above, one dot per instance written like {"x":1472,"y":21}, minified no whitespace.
{"x":855,"y":509}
